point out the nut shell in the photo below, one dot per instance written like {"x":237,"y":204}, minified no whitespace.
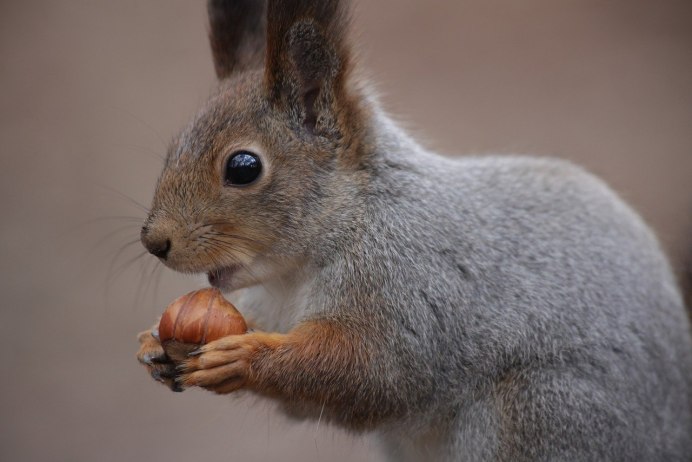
{"x":200,"y":317}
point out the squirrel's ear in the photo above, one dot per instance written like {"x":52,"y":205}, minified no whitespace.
{"x":237,"y":34}
{"x":307,"y":57}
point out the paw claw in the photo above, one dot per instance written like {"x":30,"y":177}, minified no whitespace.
{"x":155,"y":333}
{"x":181,"y":382}
{"x":152,"y":358}
{"x":182,"y":367}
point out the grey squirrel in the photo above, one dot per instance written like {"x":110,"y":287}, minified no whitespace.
{"x":478,"y":309}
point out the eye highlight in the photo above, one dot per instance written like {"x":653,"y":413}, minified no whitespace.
{"x":242,"y":168}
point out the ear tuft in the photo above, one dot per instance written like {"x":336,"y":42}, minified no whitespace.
{"x":315,"y":64}
{"x":237,"y":34}
{"x":311,"y":53}
{"x":307,"y":55}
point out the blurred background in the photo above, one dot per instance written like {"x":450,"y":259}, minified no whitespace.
{"x":92,"y":90}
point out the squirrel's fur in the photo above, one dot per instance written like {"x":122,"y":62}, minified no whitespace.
{"x":476,"y":309}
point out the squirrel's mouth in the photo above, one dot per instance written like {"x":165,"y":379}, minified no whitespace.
{"x":221,"y":277}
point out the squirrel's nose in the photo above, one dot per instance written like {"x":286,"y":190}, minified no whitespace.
{"x":157,"y":246}
{"x":159,"y":249}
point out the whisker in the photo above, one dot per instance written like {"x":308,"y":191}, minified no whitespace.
{"x":227,"y":254}
{"x":236,"y":236}
{"x":145,"y":149}
{"x":141,"y":121}
{"x":216,"y":232}
{"x":126,"y":265}
{"x":146,"y":281}
{"x":122,"y":248}
{"x":126,"y":198}
{"x":81,"y":228}
{"x":140,"y":283}
{"x":113,"y":274}
{"x":109,"y":235}
{"x":117,"y":256}
{"x":110,"y":218}
{"x":158,"y":270}
{"x":233,"y":247}
{"x":231,"y":239}
{"x":227,"y":243}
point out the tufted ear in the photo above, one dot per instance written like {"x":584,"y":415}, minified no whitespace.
{"x":237,"y":34}
{"x":307,"y":58}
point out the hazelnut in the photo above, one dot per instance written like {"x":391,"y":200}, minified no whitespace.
{"x":197,"y":318}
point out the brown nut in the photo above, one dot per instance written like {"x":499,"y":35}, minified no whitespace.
{"x":200,"y":317}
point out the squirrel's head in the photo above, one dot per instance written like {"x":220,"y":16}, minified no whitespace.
{"x":248,"y":185}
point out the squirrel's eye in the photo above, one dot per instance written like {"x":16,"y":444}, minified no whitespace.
{"x":243,"y":167}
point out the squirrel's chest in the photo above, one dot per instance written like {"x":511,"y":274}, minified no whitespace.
{"x":273,"y":307}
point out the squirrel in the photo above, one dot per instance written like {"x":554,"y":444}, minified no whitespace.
{"x":482,"y":308}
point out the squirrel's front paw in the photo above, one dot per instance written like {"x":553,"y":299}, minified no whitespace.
{"x":152,"y":356}
{"x":225,"y":365}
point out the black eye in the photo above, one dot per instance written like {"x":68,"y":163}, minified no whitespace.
{"x":242,"y":168}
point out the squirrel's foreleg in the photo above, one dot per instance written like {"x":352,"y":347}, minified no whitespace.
{"x":323,"y":363}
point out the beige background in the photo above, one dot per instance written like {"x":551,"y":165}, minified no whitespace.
{"x":91,"y":90}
